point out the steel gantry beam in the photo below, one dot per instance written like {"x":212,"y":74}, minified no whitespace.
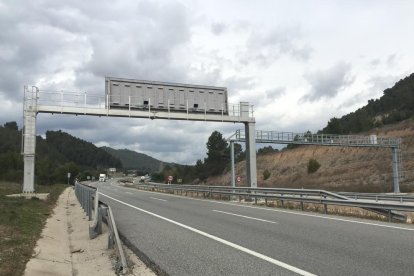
{"x":73,"y":103}
{"x":277,"y":137}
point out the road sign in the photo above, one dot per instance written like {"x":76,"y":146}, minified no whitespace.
{"x":179,"y":180}
{"x":238,"y":179}
{"x":170,"y":178}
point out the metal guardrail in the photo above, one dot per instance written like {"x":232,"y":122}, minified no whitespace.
{"x":89,"y":199}
{"x":322,"y":197}
{"x":377,"y":197}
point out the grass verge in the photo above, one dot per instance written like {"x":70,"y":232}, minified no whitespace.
{"x":21,"y":223}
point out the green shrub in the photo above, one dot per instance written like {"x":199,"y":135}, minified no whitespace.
{"x":266,"y":174}
{"x":313,"y":166}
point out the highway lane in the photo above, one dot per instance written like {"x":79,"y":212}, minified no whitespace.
{"x":310,"y":243}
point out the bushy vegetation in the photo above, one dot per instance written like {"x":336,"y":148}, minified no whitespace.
{"x":266,"y":174}
{"x":266,"y":150}
{"x":313,"y":166}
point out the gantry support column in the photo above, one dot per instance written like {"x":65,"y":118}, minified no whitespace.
{"x":395,"y":168}
{"x":29,"y":138}
{"x":251,"y":173}
{"x":233,"y":173}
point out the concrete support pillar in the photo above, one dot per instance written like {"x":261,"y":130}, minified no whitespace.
{"x":395,"y":169}
{"x":251,"y":170}
{"x":29,"y":139}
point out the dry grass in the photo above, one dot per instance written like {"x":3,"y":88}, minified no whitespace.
{"x":21,"y":222}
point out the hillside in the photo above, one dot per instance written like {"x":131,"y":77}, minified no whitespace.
{"x":132,"y":160}
{"x":396,"y":104}
{"x":81,"y":152}
{"x":56,"y":155}
{"x":342,"y":169}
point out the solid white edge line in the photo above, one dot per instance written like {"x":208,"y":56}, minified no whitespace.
{"x":158,"y":199}
{"x":233,"y":245}
{"x":237,"y":215}
{"x":289,"y":212}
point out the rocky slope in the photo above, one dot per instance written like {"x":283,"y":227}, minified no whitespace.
{"x":342,"y":169}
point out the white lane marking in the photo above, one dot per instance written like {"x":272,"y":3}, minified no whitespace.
{"x":243,"y":216}
{"x":290,"y":212}
{"x":158,"y":199}
{"x":129,"y":193}
{"x":233,"y":245}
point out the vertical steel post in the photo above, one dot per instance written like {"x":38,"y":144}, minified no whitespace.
{"x":251,"y":172}
{"x":233,"y":173}
{"x":395,"y":169}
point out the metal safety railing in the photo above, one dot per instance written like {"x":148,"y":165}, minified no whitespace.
{"x":302,"y":196}
{"x":279,"y":137}
{"x":88,"y":197}
{"x":378,"y":197}
{"x":85,"y":100}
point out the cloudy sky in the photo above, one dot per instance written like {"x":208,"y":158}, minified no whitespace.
{"x":299,"y":63}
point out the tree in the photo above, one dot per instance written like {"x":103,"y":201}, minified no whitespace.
{"x":11,"y":125}
{"x":217,"y":153}
{"x":266,"y":150}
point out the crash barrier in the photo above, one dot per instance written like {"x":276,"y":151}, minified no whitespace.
{"x":315,"y":196}
{"x":379,"y":196}
{"x":88,"y":197}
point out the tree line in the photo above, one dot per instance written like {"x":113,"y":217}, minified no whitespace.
{"x":56,"y":155}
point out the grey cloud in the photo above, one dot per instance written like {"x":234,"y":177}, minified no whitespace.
{"x":388,"y":61}
{"x":218,"y":28}
{"x":391,"y":60}
{"x":275,"y":93}
{"x":260,"y":98}
{"x":213,"y":75}
{"x":265,"y":48}
{"x":329,"y":82}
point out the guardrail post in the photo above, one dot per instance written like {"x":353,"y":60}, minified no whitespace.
{"x":255,"y":198}
{"x":90,"y":206}
{"x":389,"y":216}
{"x":301,"y":204}
{"x":266,"y":201}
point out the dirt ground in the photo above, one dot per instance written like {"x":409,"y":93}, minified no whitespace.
{"x":65,"y":248}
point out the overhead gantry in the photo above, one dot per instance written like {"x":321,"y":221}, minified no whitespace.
{"x":137,"y":99}
{"x":277,"y":137}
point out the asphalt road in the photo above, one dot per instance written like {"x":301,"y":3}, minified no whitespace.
{"x":188,"y":236}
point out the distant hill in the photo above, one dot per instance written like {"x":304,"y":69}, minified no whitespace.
{"x":396,"y":105}
{"x":56,"y":155}
{"x":132,"y":160}
{"x":81,"y":152}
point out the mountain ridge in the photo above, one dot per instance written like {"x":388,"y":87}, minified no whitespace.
{"x":132,"y":160}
